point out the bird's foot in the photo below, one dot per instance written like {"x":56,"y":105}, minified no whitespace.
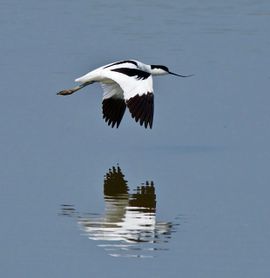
{"x":65,"y":92}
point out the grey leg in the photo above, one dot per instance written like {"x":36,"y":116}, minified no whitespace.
{"x":74,"y":89}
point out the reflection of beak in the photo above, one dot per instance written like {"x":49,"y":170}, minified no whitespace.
{"x":180,"y":74}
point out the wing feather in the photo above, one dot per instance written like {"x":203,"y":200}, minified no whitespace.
{"x":142,"y":109}
{"x":113,"y":111}
{"x":113,"y":104}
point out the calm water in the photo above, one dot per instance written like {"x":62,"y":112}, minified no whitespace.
{"x":129,"y":227}
{"x":189,"y":198}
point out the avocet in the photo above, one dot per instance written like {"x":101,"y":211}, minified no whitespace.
{"x":126,"y":83}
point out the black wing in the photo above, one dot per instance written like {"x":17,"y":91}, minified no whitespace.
{"x":141,"y":108}
{"x":113,"y":110}
{"x":138,"y":74}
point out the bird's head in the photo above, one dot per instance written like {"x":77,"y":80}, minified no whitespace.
{"x":162,"y":70}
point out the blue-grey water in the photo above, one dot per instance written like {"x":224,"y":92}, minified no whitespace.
{"x":189,"y":198}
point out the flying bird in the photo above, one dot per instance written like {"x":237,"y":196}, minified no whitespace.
{"x":125,"y":83}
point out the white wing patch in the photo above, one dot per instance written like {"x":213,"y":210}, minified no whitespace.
{"x":139,"y":87}
{"x":130,"y":85}
{"x":112,"y":90}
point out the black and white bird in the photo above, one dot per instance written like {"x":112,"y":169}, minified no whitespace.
{"x":125,"y":83}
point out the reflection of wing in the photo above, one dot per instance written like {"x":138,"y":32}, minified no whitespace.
{"x":115,"y":195}
{"x":114,"y":183}
{"x":145,"y":198}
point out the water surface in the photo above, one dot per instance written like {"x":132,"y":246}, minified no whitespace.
{"x":204,"y":165}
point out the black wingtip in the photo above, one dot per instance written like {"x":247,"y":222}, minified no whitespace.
{"x":141,"y":108}
{"x":113,"y":111}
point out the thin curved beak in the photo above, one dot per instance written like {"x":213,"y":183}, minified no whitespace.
{"x":176,"y":74}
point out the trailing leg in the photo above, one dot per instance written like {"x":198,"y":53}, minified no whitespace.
{"x":73,"y":90}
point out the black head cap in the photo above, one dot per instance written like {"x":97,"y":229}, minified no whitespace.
{"x":159,"y":67}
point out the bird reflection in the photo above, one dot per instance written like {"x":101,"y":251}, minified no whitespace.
{"x":128,"y":227}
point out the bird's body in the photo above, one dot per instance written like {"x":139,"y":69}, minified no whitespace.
{"x":126,"y":83}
